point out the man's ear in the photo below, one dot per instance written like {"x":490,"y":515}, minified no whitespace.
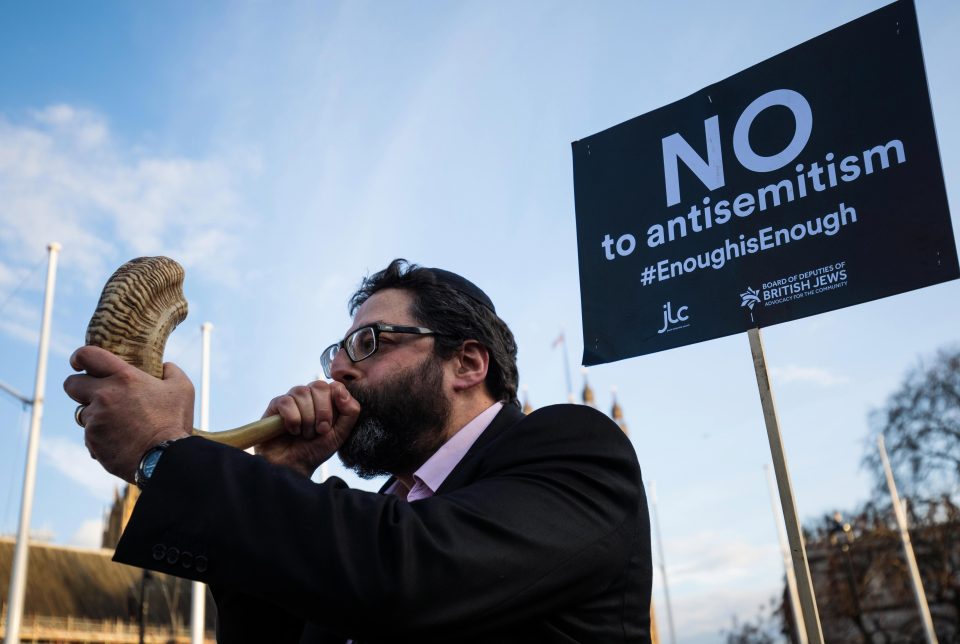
{"x":470,"y":364}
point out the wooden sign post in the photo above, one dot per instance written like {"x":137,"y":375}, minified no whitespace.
{"x":798,"y":553}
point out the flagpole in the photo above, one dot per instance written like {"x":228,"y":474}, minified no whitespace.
{"x":798,"y":623}
{"x":901,"y":516}
{"x":663,"y":563}
{"x":18,"y":575}
{"x":566,"y":367}
{"x":798,"y":552}
{"x":198,"y":599}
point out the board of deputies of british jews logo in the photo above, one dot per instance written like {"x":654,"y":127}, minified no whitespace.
{"x":675,"y":320}
{"x":808,"y":283}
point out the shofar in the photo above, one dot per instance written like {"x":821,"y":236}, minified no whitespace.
{"x":141,"y":304}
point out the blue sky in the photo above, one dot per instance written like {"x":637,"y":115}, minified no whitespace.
{"x":280,"y":152}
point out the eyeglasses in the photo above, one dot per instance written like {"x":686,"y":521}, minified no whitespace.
{"x":364,"y":342}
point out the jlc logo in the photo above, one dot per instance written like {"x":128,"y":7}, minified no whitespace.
{"x":669,"y":318}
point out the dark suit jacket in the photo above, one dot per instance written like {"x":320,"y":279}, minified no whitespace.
{"x":540,"y":534}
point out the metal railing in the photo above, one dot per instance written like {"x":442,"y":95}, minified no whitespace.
{"x":70,"y":630}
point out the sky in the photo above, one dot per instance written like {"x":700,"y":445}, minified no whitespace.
{"x":282,"y":151}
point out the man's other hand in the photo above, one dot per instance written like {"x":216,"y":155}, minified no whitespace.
{"x":318,"y":417}
{"x":127,"y":411}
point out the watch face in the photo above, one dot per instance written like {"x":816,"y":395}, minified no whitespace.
{"x":150,"y":462}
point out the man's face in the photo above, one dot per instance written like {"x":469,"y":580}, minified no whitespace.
{"x":404,"y":406}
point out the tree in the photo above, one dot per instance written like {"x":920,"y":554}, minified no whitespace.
{"x":861,"y":579}
{"x":857,"y":575}
{"x":920,"y":423}
{"x":859,"y":572}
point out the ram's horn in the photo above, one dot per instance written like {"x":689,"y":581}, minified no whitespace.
{"x":141,"y":304}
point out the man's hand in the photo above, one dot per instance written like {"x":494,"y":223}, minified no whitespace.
{"x":318,"y":418}
{"x":127,"y":410}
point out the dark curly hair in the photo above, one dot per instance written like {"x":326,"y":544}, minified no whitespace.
{"x":455,"y":315}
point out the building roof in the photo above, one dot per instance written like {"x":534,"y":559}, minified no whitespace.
{"x":64,"y":581}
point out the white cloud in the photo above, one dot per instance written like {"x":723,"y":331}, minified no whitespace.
{"x":710,"y":559}
{"x":702,"y":616}
{"x":813,"y":375}
{"x":84,"y":128}
{"x":714,"y":575}
{"x":8,"y":277}
{"x":20,"y":319}
{"x":89,"y":534}
{"x":73,"y":461}
{"x":65,"y":177}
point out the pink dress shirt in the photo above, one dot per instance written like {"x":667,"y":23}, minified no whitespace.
{"x":433,"y":473}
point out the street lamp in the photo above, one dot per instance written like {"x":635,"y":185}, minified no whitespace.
{"x":841,"y":534}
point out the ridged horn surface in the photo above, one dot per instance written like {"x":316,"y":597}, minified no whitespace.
{"x":141,"y":304}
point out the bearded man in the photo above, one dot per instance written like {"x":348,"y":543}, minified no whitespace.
{"x":493,"y":527}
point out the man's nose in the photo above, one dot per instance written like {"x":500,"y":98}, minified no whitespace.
{"x":343,"y":369}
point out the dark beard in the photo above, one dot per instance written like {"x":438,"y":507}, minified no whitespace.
{"x":401,"y":422}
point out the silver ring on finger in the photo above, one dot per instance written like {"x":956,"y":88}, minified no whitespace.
{"x":78,"y":414}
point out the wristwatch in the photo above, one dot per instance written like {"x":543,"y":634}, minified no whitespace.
{"x":149,"y":463}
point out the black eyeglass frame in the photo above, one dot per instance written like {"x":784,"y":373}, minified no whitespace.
{"x":328,"y":355}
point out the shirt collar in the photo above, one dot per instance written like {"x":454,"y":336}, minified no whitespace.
{"x":431,"y":475}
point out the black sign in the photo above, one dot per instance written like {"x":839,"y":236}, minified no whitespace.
{"x":807,"y":183}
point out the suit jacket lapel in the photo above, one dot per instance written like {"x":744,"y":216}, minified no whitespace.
{"x":509,"y":416}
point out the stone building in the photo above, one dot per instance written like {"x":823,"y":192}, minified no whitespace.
{"x":81,"y":595}
{"x":862,"y":584}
